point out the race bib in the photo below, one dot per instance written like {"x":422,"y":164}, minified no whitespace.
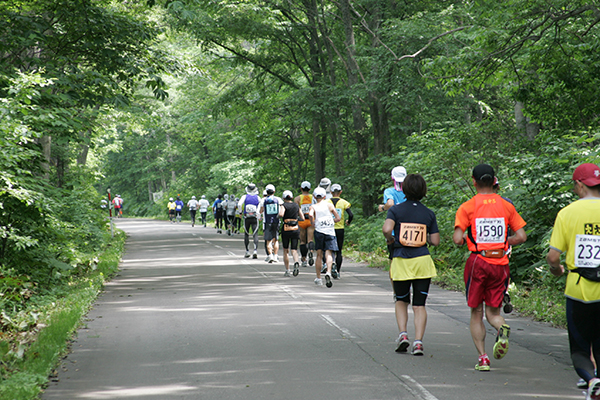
{"x":326,"y":222}
{"x":178,"y":207}
{"x":490,"y":230}
{"x":587,"y":251}
{"x":305,"y":208}
{"x":413,"y":235}
{"x":251,"y":210}
{"x":272,"y":209}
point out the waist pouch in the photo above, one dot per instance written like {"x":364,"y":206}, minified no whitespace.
{"x":290,"y":224}
{"x":494,"y":253}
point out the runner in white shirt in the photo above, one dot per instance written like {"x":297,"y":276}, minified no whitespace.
{"x":193,"y":206}
{"x":203,"y":204}
{"x":323,"y":217}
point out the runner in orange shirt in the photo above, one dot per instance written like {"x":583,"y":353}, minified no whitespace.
{"x":486,"y":219}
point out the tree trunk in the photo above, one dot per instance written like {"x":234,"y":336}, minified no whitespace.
{"x":527,"y":128}
{"x":46,"y":142}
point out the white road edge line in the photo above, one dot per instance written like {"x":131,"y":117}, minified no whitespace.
{"x":424,"y":393}
{"x":331,"y":322}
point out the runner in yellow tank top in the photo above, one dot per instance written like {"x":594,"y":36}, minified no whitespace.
{"x":307,"y":232}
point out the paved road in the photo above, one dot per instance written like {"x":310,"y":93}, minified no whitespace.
{"x":189,"y":318}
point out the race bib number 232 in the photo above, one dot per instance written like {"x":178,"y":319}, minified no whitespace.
{"x":587,"y":251}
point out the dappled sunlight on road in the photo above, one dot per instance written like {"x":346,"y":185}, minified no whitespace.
{"x":120,"y":392}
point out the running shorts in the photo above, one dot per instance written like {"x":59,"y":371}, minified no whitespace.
{"x":485,"y":282}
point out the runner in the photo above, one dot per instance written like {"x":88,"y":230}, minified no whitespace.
{"x":576,"y":232}
{"x":248,"y":205}
{"x":178,"y":208}
{"x":343,"y":208}
{"x":290,"y":214}
{"x":219,"y":212}
{"x":325,"y":183}
{"x":323,"y":217}
{"x":261,"y":217}
{"x":230,"y":210}
{"x":224,"y":206}
{"x":193,"y":206}
{"x":118,"y":206}
{"x":486,"y":219}
{"x":394,"y":195}
{"x":307,"y":231}
{"x":171,"y":206}
{"x":204,"y":204}
{"x":270,"y":207}
{"x":415,"y":226}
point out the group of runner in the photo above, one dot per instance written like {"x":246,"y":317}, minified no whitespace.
{"x":487,"y":223}
{"x":490,"y":225}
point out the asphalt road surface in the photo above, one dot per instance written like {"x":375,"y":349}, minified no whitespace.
{"x":188,"y":317}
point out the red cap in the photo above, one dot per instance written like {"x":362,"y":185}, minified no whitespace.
{"x":588,"y":174}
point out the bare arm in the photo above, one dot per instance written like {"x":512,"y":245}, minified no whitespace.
{"x":434,"y":239}
{"x":457,"y":237}
{"x":553,"y":259}
{"x":388,"y":204}
{"x":388,"y":228}
{"x":519,"y":237}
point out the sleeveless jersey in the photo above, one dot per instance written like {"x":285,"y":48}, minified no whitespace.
{"x":323,"y":219}
{"x":231,"y":206}
{"x":251,"y":203}
{"x":305,"y":202}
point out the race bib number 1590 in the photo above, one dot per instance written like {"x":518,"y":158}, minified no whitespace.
{"x":490,"y":230}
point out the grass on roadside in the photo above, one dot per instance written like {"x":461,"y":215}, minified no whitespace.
{"x":26,"y":371}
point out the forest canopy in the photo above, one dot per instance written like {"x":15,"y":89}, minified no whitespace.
{"x":159,"y":98}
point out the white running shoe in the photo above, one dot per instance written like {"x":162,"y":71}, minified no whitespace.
{"x":255,"y":255}
{"x":287,"y":273}
{"x":247,"y":255}
{"x":275,"y":258}
{"x":593,"y":392}
{"x":271,"y":258}
{"x":304,"y":264}
{"x":318,"y":282}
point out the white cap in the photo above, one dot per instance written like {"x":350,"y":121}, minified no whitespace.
{"x":305,"y":185}
{"x":170,"y":199}
{"x":325,"y":183}
{"x":398,"y":174}
{"x":287,"y":194}
{"x":226,"y":196}
{"x":270,"y":188}
{"x":193,"y":197}
{"x":203,"y":196}
{"x":320,"y":192}
{"x":336,"y":187}
{"x":251,"y":189}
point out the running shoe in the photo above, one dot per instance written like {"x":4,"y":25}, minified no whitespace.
{"x":582,"y":383}
{"x":254,"y":255}
{"x":324,"y":269}
{"x":247,"y":255}
{"x":334,"y":273}
{"x":403,"y":343}
{"x":501,"y":345}
{"x":483,"y":364}
{"x":328,"y":282}
{"x":304,"y":264}
{"x":318,"y":282}
{"x":311,"y":260}
{"x":417,"y":349}
{"x":271,"y":258}
{"x":275,"y":258}
{"x":287,"y":273}
{"x":593,"y":392}
{"x":296,"y":269}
